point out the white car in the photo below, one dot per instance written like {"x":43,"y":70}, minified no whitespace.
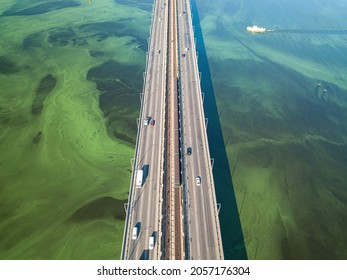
{"x":151,"y":243}
{"x":134,"y":236}
{"x":198,"y":180}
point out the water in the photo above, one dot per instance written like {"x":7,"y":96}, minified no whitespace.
{"x":281,"y":99}
{"x":276,"y":105}
{"x":70,"y":77}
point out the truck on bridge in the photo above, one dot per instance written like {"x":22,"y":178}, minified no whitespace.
{"x":139,"y":177}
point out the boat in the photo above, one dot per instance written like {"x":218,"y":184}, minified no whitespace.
{"x":256,"y":29}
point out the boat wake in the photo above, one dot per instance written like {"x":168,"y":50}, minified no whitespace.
{"x":310,"y":31}
{"x":257,"y":29}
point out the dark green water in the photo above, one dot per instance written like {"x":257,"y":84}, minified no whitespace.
{"x":119,"y":87}
{"x":42,"y":8}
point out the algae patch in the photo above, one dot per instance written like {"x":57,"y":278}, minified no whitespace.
{"x":47,"y":84}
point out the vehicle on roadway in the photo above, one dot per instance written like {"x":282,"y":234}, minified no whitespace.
{"x":152,"y":122}
{"x":158,"y":52}
{"x":139,"y":177}
{"x":189,"y":151}
{"x":151,"y":243}
{"x":198,"y":180}
{"x":147,"y":120}
{"x":134,"y":236}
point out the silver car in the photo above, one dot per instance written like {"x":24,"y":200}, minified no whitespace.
{"x":198,"y":180}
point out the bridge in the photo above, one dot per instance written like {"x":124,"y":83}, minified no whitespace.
{"x":172,"y":211}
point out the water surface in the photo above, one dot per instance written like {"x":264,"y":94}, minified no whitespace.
{"x":282,"y":104}
{"x":70,"y":78}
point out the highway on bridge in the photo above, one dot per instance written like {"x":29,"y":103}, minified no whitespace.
{"x":203,"y":223}
{"x":146,"y":205}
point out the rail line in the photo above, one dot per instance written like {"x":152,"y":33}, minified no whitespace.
{"x":173,"y":231}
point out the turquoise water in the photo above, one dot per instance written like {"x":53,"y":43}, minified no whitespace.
{"x":282,"y":104}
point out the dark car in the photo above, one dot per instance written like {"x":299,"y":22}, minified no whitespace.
{"x":189,"y":151}
{"x":152,"y":122}
{"x":147,"y":120}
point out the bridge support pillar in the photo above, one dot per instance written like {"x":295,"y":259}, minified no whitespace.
{"x":126,"y":207}
{"x":206,"y":123}
{"x":212,"y":162}
{"x":219,"y":205}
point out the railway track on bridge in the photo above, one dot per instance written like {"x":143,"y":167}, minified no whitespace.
{"x":174,"y":247}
